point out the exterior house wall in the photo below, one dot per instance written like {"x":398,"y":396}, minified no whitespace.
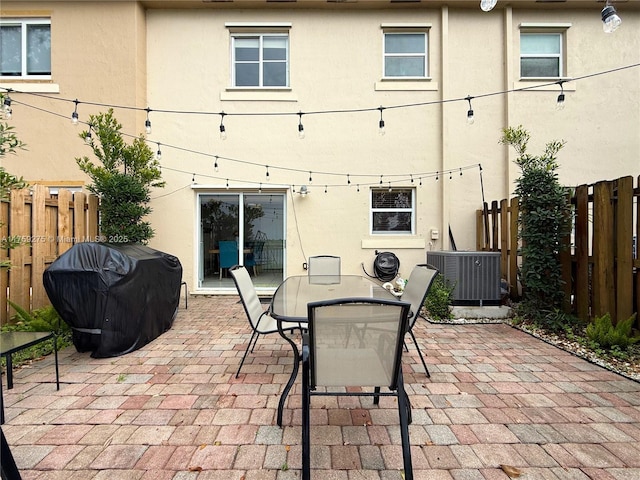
{"x":170,"y":56}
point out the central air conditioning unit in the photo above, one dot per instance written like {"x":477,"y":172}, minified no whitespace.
{"x":475,"y":276}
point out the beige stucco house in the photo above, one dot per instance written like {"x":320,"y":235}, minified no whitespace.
{"x":334,"y":71}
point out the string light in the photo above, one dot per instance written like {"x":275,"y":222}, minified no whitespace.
{"x":487,"y":5}
{"x":88,"y":138}
{"x":381,"y":129}
{"x":227,"y":184}
{"x":560,"y":101}
{"x":147,"y":123}
{"x":325,"y":189}
{"x":159,"y":153}
{"x":358,"y":188}
{"x":380,"y":179}
{"x":470,"y":118}
{"x":411,"y":178}
{"x":74,"y":115}
{"x":215,"y":165}
{"x":300,"y":126}
{"x":348,"y":179}
{"x":6,"y":107}
{"x":610,"y":19}
{"x":310,"y":179}
{"x":267,"y":172}
{"x":223,"y":130}
{"x":193,"y":178}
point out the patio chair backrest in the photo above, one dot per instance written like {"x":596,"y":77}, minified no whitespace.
{"x":248,"y":295}
{"x":356,"y":342}
{"x":417,"y":288}
{"x":326,"y":265}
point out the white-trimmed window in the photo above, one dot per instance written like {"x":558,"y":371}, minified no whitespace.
{"x":542,"y":54}
{"x":25,"y":48}
{"x":405,"y":53}
{"x":392,"y":211}
{"x":260,"y":60}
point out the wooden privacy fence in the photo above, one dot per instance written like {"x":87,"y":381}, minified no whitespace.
{"x":601,"y":264}
{"x":50,"y":225}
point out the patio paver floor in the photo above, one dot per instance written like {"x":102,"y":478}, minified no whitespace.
{"x":174,"y":410}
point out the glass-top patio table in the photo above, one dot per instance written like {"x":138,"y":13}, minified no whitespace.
{"x":289,"y":303}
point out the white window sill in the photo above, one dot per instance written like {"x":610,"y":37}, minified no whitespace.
{"x":406,"y":85}
{"x":29,"y":86}
{"x":285,"y":95}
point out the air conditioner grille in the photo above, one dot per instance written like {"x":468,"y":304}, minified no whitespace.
{"x":475,"y":275}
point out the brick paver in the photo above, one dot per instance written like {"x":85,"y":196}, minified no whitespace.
{"x":173,"y":410}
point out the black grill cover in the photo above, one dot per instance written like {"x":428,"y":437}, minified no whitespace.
{"x":116,"y":298}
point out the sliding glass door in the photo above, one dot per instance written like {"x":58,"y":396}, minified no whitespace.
{"x":241,"y":228}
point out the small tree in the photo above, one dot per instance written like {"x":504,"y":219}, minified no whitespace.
{"x":123,"y":181}
{"x":544,"y":221}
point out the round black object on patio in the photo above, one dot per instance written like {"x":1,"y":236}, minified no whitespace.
{"x":116,"y":298}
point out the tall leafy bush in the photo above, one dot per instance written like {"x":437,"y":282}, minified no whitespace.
{"x":123,"y":180}
{"x":543,"y":222}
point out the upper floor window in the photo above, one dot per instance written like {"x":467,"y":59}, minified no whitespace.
{"x":260,"y":60}
{"x":541,"y":55}
{"x":392,"y":210}
{"x":25,"y":48}
{"x":405,"y":54}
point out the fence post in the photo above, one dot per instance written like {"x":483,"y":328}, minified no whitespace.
{"x":39,"y":242}
{"x":624,"y":247}
{"x":19,"y":279}
{"x":581,"y":239}
{"x":603,"y":251}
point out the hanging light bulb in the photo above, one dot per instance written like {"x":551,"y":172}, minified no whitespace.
{"x":267,"y":174}
{"x":487,"y":5}
{"x":470,"y":117}
{"x":381,"y":129}
{"x":215,"y":165}
{"x":560,"y":101}
{"x":159,"y":153}
{"x":88,"y":138}
{"x":74,"y":115}
{"x":610,"y":19}
{"x":223,"y":130}
{"x":147,"y":123}
{"x":6,"y":107}
{"x":300,"y":127}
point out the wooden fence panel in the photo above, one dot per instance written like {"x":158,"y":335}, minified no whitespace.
{"x":582,"y":267}
{"x":624,"y":248}
{"x":603,"y":252}
{"x":50,"y":225}
{"x":601,"y":264}
{"x":4,"y":254}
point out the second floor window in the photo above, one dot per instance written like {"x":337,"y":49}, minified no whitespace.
{"x":541,"y":55}
{"x":392,"y":211}
{"x":405,"y":55}
{"x":260,"y":61}
{"x":25,"y":48}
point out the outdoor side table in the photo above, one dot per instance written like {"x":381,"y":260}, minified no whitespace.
{"x":12,"y":342}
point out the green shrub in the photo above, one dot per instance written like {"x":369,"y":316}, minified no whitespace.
{"x":439,"y":299}
{"x":609,"y":336}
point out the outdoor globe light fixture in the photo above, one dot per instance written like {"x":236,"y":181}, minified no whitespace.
{"x":487,"y":5}
{"x":610,"y":19}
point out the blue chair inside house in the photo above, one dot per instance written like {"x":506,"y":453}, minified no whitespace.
{"x":228,"y":254}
